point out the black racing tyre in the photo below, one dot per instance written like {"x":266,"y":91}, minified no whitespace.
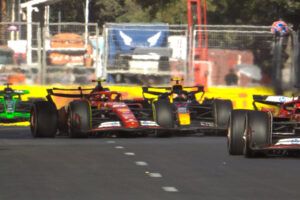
{"x":236,"y":129}
{"x":164,"y":116}
{"x":222,"y":110}
{"x":258,"y":132}
{"x":43,"y":119}
{"x":164,"y":113}
{"x":79,"y":119}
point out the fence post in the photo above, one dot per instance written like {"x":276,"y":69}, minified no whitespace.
{"x":44,"y":58}
{"x":39,"y":60}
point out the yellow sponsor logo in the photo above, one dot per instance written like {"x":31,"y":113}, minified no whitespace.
{"x":124,"y":109}
{"x":184,"y":118}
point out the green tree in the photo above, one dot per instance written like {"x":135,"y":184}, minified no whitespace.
{"x":249,"y":12}
{"x":102,"y":11}
{"x":134,"y":12}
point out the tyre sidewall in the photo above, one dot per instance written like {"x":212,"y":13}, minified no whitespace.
{"x":236,"y":131}
{"x":258,"y":132}
{"x":44,"y":117}
{"x":222,"y":110}
{"x":163,"y":112}
{"x":79,"y":119}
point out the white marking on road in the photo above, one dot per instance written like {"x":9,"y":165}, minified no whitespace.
{"x":169,"y":189}
{"x":129,"y":153}
{"x":119,"y":147}
{"x":141,"y":163}
{"x":155,"y":175}
{"x":111,"y":142}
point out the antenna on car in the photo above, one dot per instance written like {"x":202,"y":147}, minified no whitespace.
{"x":177,"y":80}
{"x":7,"y":84}
{"x":99,"y":84}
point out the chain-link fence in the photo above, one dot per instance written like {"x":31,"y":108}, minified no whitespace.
{"x":20,"y":48}
{"x":75,"y":53}
{"x":144,"y":53}
{"x":71,"y":53}
{"x":241,"y":55}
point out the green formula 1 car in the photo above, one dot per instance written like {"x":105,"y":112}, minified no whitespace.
{"x":12,"y":108}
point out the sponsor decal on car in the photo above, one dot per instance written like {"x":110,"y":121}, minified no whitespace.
{"x":207,"y":124}
{"x":148,"y":123}
{"x":184,"y":118}
{"x":109,"y":124}
{"x":288,"y":141}
{"x":279,"y":99}
{"x":9,"y":106}
{"x":116,"y":105}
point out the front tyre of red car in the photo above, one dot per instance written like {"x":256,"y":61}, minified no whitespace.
{"x":43,"y":119}
{"x":258,"y":133}
{"x":236,"y":129}
{"x":79,"y":119}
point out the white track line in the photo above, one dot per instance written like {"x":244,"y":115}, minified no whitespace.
{"x":129,"y":153}
{"x":141,"y":163}
{"x":169,"y":189}
{"x":155,"y":175}
{"x":119,"y":147}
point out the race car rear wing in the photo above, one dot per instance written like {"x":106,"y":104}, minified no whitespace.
{"x":146,"y":89}
{"x":190,"y":91}
{"x":51,"y":92}
{"x":271,"y":100}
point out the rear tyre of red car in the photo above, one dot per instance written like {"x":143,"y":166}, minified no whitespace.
{"x":43,"y":119}
{"x":222,"y":110}
{"x":164,"y":116}
{"x":258,"y":133}
{"x":236,"y":129}
{"x":79,"y":119}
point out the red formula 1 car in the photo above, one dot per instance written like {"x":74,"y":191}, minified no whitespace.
{"x":262,"y":132}
{"x":99,"y":110}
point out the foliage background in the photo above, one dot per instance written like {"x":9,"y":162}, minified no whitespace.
{"x":248,"y":12}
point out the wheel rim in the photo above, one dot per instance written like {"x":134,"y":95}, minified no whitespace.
{"x":33,"y":122}
{"x":229,"y":137}
{"x":69,"y":123}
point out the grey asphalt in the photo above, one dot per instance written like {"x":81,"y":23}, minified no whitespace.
{"x":191,"y":167}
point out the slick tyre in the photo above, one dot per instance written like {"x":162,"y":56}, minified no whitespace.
{"x":79,"y":119}
{"x":164,"y":116}
{"x":222,"y":110}
{"x":258,"y":133}
{"x":236,"y":129}
{"x":43,"y":119}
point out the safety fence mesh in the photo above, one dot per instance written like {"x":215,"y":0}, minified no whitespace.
{"x":249,"y":55}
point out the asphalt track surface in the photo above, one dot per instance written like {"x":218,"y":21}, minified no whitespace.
{"x":148,"y":168}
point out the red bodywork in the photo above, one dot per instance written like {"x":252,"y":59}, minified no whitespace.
{"x":111,"y":101}
{"x":285,"y":123}
{"x":110,"y":104}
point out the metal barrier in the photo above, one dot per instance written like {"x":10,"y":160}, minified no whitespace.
{"x":249,"y":53}
{"x":20,"y":53}
{"x":144,"y":53}
{"x":147,"y":54}
{"x":71,"y":53}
